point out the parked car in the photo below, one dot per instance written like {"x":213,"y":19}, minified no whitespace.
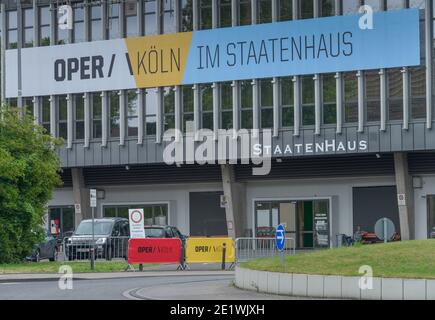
{"x":155,"y":231}
{"x":110,"y":239}
{"x":432,"y":233}
{"x":48,"y":249}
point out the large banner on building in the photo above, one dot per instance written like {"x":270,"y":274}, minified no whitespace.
{"x":323,"y":45}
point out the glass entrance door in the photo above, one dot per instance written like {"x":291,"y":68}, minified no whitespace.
{"x":306,"y":221}
{"x":61,"y":221}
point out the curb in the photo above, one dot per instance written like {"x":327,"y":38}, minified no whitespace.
{"x":55,"y":277}
{"x":333,"y":287}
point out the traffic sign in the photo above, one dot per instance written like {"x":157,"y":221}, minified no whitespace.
{"x":384,"y":229}
{"x":136,"y":217}
{"x":93,"y":195}
{"x":280,"y":237}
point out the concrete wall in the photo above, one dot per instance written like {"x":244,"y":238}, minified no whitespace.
{"x":338,"y":190}
{"x":421,"y":205}
{"x":177,"y":197}
{"x":333,"y":287}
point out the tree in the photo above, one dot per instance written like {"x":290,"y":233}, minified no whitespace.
{"x":29,"y":172}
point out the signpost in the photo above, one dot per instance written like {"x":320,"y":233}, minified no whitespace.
{"x":93,"y":204}
{"x":136,"y":219}
{"x":280,"y":241}
{"x":384,"y":229}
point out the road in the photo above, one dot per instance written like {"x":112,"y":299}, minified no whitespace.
{"x":214,"y":287}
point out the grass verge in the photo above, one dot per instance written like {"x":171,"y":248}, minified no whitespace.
{"x":407,"y":259}
{"x":53,"y":267}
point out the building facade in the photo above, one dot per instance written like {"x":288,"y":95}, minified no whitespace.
{"x":361,"y":142}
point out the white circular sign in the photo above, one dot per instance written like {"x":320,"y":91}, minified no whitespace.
{"x":136,"y":216}
{"x":384,"y":229}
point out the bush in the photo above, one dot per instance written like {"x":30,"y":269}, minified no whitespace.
{"x":29,"y":172}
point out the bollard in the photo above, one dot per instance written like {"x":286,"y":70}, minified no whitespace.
{"x":224,"y":249}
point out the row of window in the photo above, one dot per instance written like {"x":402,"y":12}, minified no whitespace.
{"x":286,"y":97}
{"x":286,"y":103}
{"x":168,"y":22}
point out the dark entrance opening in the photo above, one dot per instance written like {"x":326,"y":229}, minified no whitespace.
{"x":373,"y":203}
{"x":207,"y":218}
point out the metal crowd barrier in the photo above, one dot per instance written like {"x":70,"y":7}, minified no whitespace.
{"x":105,"y":248}
{"x":253,"y":248}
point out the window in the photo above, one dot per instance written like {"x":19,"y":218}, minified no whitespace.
{"x":226,"y":90}
{"x":307,"y":11}
{"x":154,"y":214}
{"x":394,"y":4}
{"x":329,"y":99}
{"x":266,"y":103}
{"x":375,"y":4}
{"x":28,"y":27}
{"x":418,"y":92}
{"x":132,"y":113}
{"x":28,"y":105}
{"x":12,"y":102}
{"x":350,"y":97}
{"x":130,"y":8}
{"x":62,"y":35}
{"x":187,"y":107}
{"x":169,"y":25}
{"x":44,"y":26}
{"x":12,"y":27}
{"x":96,"y":115}
{"x":287,"y":101}
{"x":65,"y":219}
{"x":150,"y":17}
{"x":186,"y":16}
{"x":79,"y":105}
{"x":62,"y":117}
{"x":373,"y":95}
{"x":114,"y":113}
{"x":350,"y":6}
{"x":285,"y":10}
{"x":395,"y":94}
{"x":225,"y":13}
{"x":417,"y":4}
{"x":169,"y":108}
{"x":113,"y":18}
{"x":45,"y":113}
{"x":264,"y":11}
{"x":308,"y":115}
{"x":206,"y":92}
{"x":246,"y":104}
{"x":79,"y":24}
{"x":245,"y":12}
{"x":327,"y":8}
{"x":151,"y":111}
{"x":205,"y":14}
{"x":96,"y":24}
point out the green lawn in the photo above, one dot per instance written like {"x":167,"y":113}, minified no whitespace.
{"x":53,"y":267}
{"x":407,"y":259}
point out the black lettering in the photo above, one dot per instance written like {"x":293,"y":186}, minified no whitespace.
{"x":59,"y":70}
{"x":232,"y":54}
{"x":84,"y":66}
{"x":73,"y":67}
{"x":97,"y":66}
{"x":348,"y":43}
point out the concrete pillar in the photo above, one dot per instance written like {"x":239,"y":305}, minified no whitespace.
{"x":404,"y":187}
{"x":81,"y":195}
{"x":234,"y":194}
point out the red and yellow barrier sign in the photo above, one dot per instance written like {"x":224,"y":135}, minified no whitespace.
{"x":154,"y":250}
{"x":200,"y":250}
